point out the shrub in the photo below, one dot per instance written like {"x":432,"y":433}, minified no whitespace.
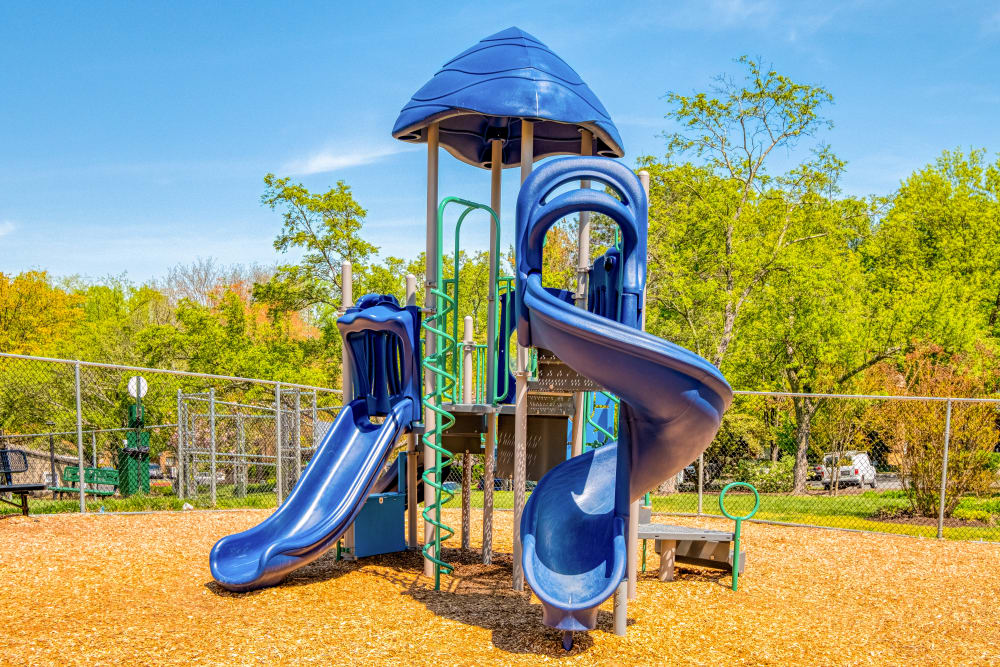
{"x":914,"y":430}
{"x":767,"y":476}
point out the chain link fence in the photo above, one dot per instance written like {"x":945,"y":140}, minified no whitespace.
{"x":908,"y":465}
{"x":921,"y":466}
{"x":209,"y":441}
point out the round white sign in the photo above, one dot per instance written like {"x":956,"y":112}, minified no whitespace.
{"x":137,"y":386}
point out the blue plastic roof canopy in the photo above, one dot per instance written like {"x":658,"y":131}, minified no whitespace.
{"x":483,"y":94}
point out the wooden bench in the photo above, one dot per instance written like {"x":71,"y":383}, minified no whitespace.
{"x":15,"y":461}
{"x":94,"y":477}
{"x":693,"y":546}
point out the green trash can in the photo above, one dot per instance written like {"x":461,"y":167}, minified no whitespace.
{"x":133,"y":457}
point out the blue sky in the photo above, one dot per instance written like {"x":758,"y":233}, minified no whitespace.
{"x":134,"y":136}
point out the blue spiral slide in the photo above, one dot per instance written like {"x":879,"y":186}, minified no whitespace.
{"x":383,"y":341}
{"x":573,"y":529}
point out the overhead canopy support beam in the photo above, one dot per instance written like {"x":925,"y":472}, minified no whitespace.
{"x":521,"y":392}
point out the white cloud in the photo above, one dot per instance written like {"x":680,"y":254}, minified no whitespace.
{"x":6,"y":227}
{"x":335,"y":160}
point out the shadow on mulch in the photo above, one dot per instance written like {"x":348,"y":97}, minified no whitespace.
{"x":481,"y":595}
{"x":325,"y":568}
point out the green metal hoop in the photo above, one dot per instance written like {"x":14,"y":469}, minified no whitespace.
{"x":722,"y":504}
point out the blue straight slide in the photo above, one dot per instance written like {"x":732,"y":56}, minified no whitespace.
{"x":383,"y":341}
{"x":573,"y":529}
{"x":325,"y":501}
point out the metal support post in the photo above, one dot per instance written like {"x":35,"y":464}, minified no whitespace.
{"x":468,"y":391}
{"x":496,"y":181}
{"x":315,"y":415}
{"x":346,"y":301}
{"x":521,"y":390}
{"x":944,"y":469}
{"x":79,"y":433}
{"x":411,"y":448}
{"x":430,"y":282}
{"x":632,"y":549}
{"x":701,"y":481}
{"x":621,"y":609}
{"x":582,"y":272}
{"x":211,"y":435}
{"x":241,"y":466}
{"x":297,"y":434}
{"x":278,"y":486}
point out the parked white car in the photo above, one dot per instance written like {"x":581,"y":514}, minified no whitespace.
{"x":855,"y":468}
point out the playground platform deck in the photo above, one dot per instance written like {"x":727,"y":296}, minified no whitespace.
{"x":136,"y":589}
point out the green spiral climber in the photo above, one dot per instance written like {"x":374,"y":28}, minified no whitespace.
{"x":444,"y":382}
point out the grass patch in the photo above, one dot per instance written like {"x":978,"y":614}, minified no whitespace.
{"x":142,"y":503}
{"x":854,"y":511}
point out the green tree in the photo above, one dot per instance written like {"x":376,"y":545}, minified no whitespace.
{"x":35,"y":315}
{"x":327,"y":228}
{"x":721,"y":230}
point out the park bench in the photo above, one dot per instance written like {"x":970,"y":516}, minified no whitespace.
{"x":15,"y":461}
{"x":94,"y":477}
{"x":693,"y":546}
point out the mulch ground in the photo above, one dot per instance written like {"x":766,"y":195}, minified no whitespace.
{"x":136,"y":589}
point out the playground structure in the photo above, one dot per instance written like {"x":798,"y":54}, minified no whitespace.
{"x":507,"y":102}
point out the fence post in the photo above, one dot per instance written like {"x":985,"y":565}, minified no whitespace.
{"x":180,"y":445}
{"x":211,"y":432}
{"x":701,"y":480}
{"x":93,"y":448}
{"x":312,"y":440}
{"x":297,"y":434}
{"x":79,"y":434}
{"x":277,"y":441}
{"x":944,"y":468}
{"x":241,"y":465}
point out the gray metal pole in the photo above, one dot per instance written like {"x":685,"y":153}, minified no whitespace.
{"x":278,"y":486}
{"x":411,"y":448}
{"x":297,"y":434}
{"x":620,"y":614}
{"x":521,"y":392}
{"x":496,"y":190}
{"x":632,"y":548}
{"x":241,"y":466}
{"x":430,"y":303}
{"x":582,"y":272}
{"x":79,"y":434}
{"x":212,"y":448}
{"x":346,"y":301}
{"x":180,"y":446}
{"x":315,"y":416}
{"x":468,"y":396}
{"x":701,"y":481}
{"x":93,"y":448}
{"x":944,"y":469}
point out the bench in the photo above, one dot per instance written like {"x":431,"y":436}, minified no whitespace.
{"x":692,"y":546}
{"x":93,"y":477}
{"x":15,"y":461}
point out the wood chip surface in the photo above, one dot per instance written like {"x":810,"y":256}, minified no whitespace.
{"x":136,"y":589}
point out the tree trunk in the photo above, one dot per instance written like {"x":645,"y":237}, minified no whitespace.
{"x":668,"y":486}
{"x":804,"y":410}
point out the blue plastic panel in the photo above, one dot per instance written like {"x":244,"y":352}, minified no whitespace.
{"x":379,"y":526}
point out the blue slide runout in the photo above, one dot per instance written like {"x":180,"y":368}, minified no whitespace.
{"x":573,"y":529}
